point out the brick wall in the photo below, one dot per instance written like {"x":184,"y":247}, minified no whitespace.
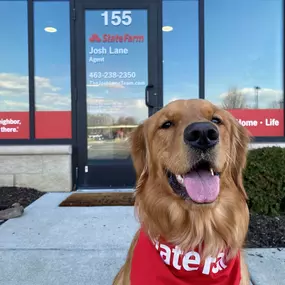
{"x":45,"y":168}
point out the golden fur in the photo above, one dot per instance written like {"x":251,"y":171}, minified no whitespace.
{"x":220,"y":225}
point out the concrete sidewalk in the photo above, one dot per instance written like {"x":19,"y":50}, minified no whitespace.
{"x":50,"y":245}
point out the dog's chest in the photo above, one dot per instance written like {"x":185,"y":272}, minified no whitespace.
{"x":161,"y":263}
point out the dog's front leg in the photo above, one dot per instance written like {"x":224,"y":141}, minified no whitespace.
{"x":245,"y":278}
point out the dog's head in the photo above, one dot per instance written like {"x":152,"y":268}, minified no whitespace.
{"x":185,"y":156}
{"x":193,"y":143}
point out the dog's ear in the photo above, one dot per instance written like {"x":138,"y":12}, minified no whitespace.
{"x":138,"y":150}
{"x":239,"y":146}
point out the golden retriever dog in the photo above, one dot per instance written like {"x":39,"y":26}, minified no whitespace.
{"x":190,"y":200}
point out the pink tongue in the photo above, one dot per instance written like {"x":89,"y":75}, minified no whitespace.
{"x":202,"y":186}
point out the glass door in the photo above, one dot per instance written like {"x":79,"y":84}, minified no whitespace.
{"x":118,"y":85}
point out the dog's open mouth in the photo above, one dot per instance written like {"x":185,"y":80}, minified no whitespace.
{"x":201,"y":184}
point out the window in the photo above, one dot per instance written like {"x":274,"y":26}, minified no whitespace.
{"x":244,"y":62}
{"x":115,"y":82}
{"x":180,"y":50}
{"x":52,"y":70}
{"x":14,"y":80}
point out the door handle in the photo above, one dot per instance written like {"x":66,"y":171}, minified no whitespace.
{"x":148,"y":96}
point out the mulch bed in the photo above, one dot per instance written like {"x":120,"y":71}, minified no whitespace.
{"x":11,"y":195}
{"x":264,"y":231}
{"x":24,"y":196}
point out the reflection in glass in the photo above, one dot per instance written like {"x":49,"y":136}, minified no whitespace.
{"x":14,"y":74}
{"x":116,"y":77}
{"x":243,"y":53}
{"x":52,"y":69}
{"x":14,"y":89}
{"x":180,"y":50}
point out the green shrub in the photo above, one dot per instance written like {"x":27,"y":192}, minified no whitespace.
{"x":264,"y":180}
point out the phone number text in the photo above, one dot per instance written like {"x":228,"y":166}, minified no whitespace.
{"x":107,"y":75}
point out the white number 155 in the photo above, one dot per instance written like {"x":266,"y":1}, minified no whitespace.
{"x":117,"y":18}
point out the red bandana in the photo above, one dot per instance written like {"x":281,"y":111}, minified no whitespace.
{"x":164,"y":264}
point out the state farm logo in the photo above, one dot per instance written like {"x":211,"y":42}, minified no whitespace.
{"x":190,"y":261}
{"x":95,"y":38}
{"x":108,"y":38}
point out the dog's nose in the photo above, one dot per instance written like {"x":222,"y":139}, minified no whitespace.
{"x":201,"y":135}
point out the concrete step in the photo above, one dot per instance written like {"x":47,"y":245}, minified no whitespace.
{"x":74,"y":246}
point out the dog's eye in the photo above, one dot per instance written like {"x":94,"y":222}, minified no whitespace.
{"x":216,"y":120}
{"x":166,"y":125}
